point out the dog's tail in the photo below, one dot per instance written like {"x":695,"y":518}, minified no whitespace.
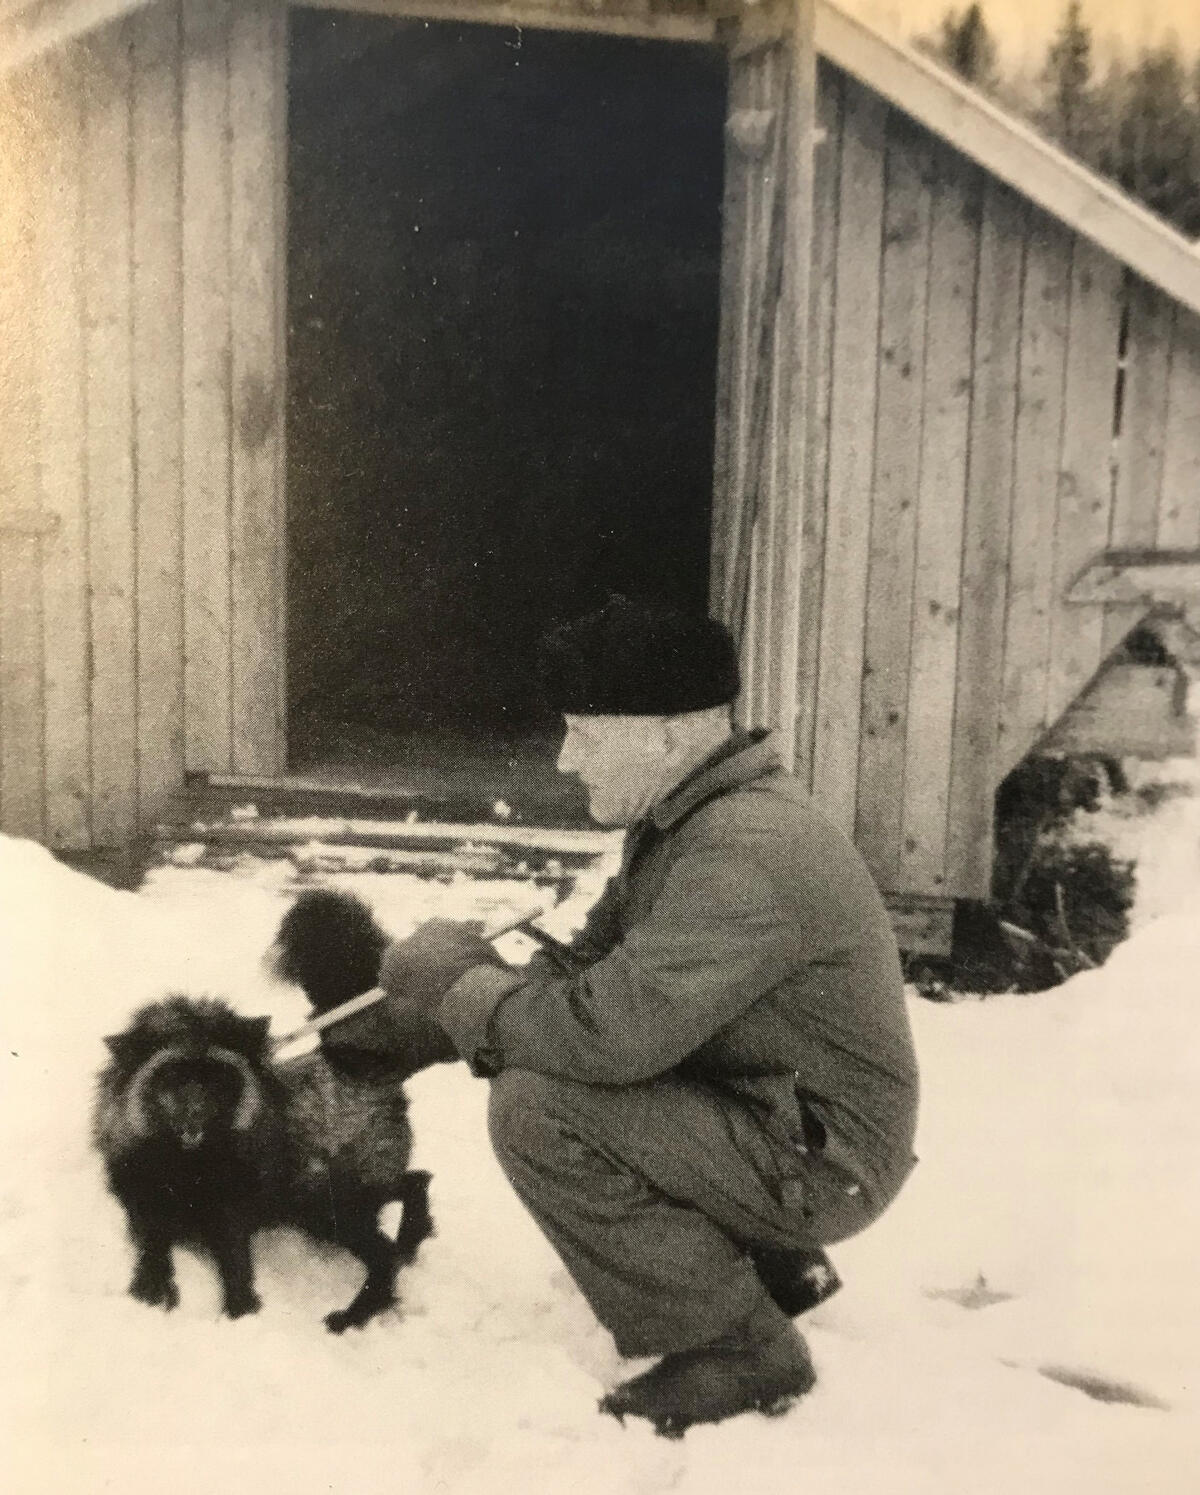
{"x":330,"y":945}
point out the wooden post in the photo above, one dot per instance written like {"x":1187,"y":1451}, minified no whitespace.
{"x":793,"y":327}
{"x":61,"y":459}
{"x":257,"y":257}
{"x":774,"y":464}
{"x":854,"y":378}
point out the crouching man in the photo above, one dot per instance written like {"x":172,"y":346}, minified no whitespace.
{"x":723,"y":1082}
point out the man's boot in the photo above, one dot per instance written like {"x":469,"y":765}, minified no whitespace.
{"x":759,"y":1366}
{"x":796,"y":1280}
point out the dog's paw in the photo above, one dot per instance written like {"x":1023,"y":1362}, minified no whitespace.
{"x":155,"y":1290}
{"x":239,"y":1305}
{"x":356,"y":1315}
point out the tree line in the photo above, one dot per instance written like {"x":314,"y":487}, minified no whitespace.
{"x":1136,"y":121}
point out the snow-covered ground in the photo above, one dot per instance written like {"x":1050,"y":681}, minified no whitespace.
{"x":1049,"y":1239}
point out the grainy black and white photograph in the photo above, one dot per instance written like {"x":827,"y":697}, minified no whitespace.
{"x":599,"y":810}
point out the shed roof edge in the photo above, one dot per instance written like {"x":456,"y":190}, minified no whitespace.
{"x":1013,"y":152}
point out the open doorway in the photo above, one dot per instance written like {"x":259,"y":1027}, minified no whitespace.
{"x":504,"y":253}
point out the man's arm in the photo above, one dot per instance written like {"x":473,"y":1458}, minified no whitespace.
{"x":601,"y":930}
{"x":716,"y":940}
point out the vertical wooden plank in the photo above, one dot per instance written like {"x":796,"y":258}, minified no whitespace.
{"x":975,"y":771}
{"x":1085,"y":470}
{"x":1179,"y":509}
{"x":1039,"y":443}
{"x":107,"y":211}
{"x":757,"y":641}
{"x":892,"y":551}
{"x":941,"y":505}
{"x":731,"y":336}
{"x":208,"y":732}
{"x":1142,"y":440}
{"x":257,"y":73}
{"x":820,"y":388}
{"x":157,"y":398}
{"x":22,"y":763}
{"x":851,"y":453}
{"x":62,"y":438}
{"x":281,"y":117}
{"x":799,"y":91}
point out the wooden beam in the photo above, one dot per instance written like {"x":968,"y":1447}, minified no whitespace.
{"x":205,"y":331}
{"x":1039,"y":429}
{"x":1129,"y":710}
{"x":698,"y":25}
{"x":1013,"y":152}
{"x":855,"y":366}
{"x":983,"y":597}
{"x":22,"y":630}
{"x":29,"y":524}
{"x":793,"y":339}
{"x":28,"y":28}
{"x":826,"y":175}
{"x":1139,"y":577}
{"x":1179,"y":501}
{"x":1140,"y":446}
{"x":892,"y":552}
{"x":730,"y":424}
{"x":157,"y":295}
{"x":1085,"y":470}
{"x":111,"y":516}
{"x":941,"y":511}
{"x":258,"y":380}
{"x":62,"y":465}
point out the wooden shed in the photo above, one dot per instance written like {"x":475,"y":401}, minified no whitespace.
{"x":957,"y":386}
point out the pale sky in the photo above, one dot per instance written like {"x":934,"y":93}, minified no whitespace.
{"x":1023,"y":27}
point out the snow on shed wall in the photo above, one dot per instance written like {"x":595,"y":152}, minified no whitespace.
{"x":142,"y":394}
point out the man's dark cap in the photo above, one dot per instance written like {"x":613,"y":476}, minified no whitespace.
{"x":631,"y":659}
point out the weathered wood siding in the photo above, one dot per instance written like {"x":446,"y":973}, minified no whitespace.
{"x":970,"y":451}
{"x":764,"y":355}
{"x":141,"y":396}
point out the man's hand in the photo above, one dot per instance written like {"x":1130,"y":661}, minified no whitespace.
{"x":423,"y":968}
{"x":403,"y":1032}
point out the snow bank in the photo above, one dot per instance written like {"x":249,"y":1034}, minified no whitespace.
{"x":1051,"y":1227}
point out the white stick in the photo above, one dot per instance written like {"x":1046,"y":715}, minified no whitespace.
{"x":490,"y":932}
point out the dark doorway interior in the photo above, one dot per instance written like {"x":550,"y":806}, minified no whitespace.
{"x":503,"y":299}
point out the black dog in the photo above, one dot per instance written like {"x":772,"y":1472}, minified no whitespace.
{"x":205,"y":1141}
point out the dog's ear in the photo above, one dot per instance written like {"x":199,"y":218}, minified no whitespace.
{"x":124,"y":1048}
{"x":254,"y":1032}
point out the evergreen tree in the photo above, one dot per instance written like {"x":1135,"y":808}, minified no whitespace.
{"x":1139,"y":124}
{"x":1154,"y":149}
{"x":1067,"y":111}
{"x":965,"y":45}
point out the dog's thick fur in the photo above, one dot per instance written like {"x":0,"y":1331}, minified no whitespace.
{"x":205,"y":1141}
{"x":330,"y":945}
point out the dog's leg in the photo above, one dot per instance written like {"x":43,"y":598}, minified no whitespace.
{"x":153,"y":1274}
{"x":359,"y":1233}
{"x":417,"y":1223}
{"x":230,"y":1246}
